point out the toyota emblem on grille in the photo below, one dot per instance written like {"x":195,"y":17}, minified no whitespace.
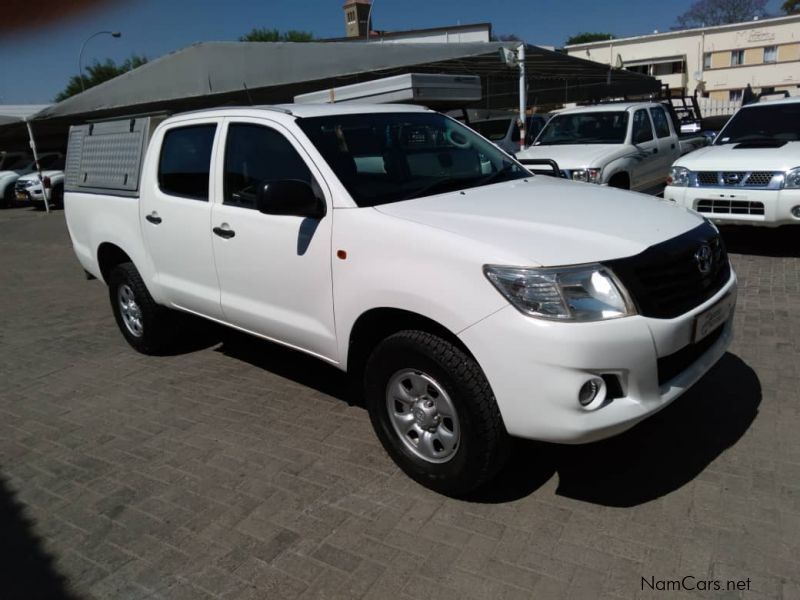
{"x":704,"y":258}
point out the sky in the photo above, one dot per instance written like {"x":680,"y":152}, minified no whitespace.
{"x":36,"y":63}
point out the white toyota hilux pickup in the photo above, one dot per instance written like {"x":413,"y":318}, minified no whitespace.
{"x":751,"y":173}
{"x":469,"y":299}
{"x":627,"y":145}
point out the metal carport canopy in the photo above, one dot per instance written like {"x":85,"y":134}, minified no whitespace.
{"x":219,"y":73}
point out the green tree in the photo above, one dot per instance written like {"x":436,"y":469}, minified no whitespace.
{"x":262,"y":34}
{"x":791,"y":7}
{"x":97,"y":73}
{"x":708,"y":13}
{"x":583,"y":38}
{"x":506,"y":37}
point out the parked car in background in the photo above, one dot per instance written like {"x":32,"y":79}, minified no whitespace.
{"x":504,"y":130}
{"x":14,"y":165}
{"x":7,"y":159}
{"x":467,"y":298}
{"x":29,"y":188}
{"x":750,"y":175}
{"x":627,"y":145}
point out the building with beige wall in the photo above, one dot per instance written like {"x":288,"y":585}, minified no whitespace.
{"x":717,"y":62}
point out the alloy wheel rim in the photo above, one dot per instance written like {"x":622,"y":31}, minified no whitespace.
{"x":130,"y":311}
{"x":423,"y":416}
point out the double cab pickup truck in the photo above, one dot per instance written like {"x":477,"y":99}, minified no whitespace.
{"x":627,"y":145}
{"x":750,"y":175}
{"x":468,"y":299}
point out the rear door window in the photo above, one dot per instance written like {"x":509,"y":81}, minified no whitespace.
{"x":660,"y":121}
{"x":642,"y":129}
{"x":185,"y":162}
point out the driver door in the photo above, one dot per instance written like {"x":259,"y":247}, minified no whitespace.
{"x":646,"y":170}
{"x":274,"y":270}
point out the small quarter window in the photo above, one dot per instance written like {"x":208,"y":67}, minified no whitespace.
{"x":185,"y":161}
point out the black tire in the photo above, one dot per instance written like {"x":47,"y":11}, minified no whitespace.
{"x":157,"y":332}
{"x":58,"y":196}
{"x":621,"y":182}
{"x":483,"y":445}
{"x":7,"y":201}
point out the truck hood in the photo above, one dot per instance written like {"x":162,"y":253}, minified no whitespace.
{"x":577,"y":156}
{"x":544,"y":221}
{"x":729,"y":158}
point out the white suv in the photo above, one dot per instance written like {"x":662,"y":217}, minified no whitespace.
{"x":751,"y":173}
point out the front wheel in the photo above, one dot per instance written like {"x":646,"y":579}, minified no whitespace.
{"x":434,"y":412}
{"x":145,"y":325}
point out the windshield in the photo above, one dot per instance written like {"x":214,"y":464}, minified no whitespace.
{"x":495,"y":129}
{"x":52,"y":161}
{"x":585,"y":128}
{"x":769,"y":123}
{"x":20,"y":163}
{"x":389,"y":157}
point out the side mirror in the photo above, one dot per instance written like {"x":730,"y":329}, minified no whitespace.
{"x":289,"y":197}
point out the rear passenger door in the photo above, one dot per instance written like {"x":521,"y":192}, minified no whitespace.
{"x":644,"y":173}
{"x":668,"y":151}
{"x":175,"y":215}
{"x":274,"y":270}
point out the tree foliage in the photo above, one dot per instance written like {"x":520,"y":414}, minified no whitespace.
{"x":97,"y":73}
{"x":708,"y":13}
{"x":791,"y":7}
{"x":506,"y":37}
{"x":262,"y":34}
{"x":585,"y":37}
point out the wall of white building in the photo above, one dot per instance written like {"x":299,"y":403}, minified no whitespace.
{"x":718,"y":62}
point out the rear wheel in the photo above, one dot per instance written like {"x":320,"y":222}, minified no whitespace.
{"x":57,"y":196}
{"x":7,"y":201}
{"x":434,"y":412}
{"x":145,"y":325}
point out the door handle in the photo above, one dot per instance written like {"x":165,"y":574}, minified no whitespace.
{"x":153,"y":218}
{"x":655,"y":150}
{"x":672,"y":146}
{"x":224,"y":232}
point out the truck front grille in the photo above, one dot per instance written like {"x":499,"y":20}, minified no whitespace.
{"x":749,"y":179}
{"x":730,"y":207}
{"x":667,"y":280}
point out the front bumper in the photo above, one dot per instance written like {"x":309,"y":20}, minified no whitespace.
{"x":31,"y":193}
{"x":768,"y":208}
{"x":536,"y":368}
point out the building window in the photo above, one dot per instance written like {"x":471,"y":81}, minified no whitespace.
{"x":737,"y":57}
{"x":351,"y":17}
{"x":707,"y":60}
{"x":770,"y":54}
{"x":735,"y":95}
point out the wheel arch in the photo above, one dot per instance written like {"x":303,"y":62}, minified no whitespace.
{"x":376,"y":324}
{"x":110,"y":255}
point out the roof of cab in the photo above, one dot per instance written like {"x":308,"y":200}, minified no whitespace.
{"x":607,"y":107}
{"x":302,"y":111}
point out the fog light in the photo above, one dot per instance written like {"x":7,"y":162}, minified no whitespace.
{"x":796,"y":212}
{"x":592,"y":393}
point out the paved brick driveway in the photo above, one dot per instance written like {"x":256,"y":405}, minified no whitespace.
{"x":238,"y":470}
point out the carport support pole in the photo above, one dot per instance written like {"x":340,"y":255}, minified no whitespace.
{"x":38,"y":168}
{"x":523,"y":101}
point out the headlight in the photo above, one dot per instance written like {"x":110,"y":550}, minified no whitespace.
{"x":582,"y":293}
{"x":678,"y":176}
{"x":586,"y":175}
{"x":792,"y":180}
